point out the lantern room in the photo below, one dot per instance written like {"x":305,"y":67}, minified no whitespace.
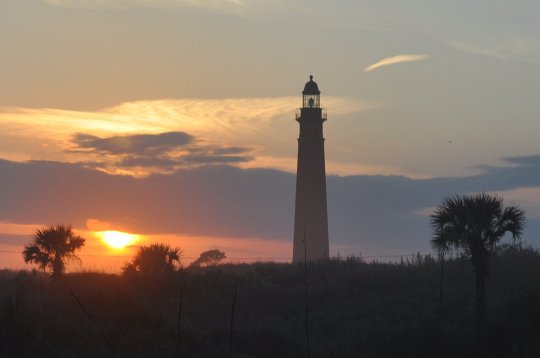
{"x":311,"y":96}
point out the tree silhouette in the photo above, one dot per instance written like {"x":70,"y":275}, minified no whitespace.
{"x":474,"y":224}
{"x":154,"y":259}
{"x":209,"y":258}
{"x":51,"y":247}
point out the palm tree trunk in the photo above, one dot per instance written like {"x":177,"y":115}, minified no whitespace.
{"x":480,"y":312}
{"x":58,"y":267}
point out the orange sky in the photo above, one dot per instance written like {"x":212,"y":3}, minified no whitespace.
{"x":97,"y":255}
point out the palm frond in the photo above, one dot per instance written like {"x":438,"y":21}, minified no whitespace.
{"x":155,"y":258}
{"x":474,"y":224}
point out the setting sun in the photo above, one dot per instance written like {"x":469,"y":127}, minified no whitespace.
{"x":117,"y":239}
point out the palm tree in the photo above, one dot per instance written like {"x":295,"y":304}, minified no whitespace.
{"x":475,"y":224}
{"x":51,"y":247}
{"x":154,"y":258}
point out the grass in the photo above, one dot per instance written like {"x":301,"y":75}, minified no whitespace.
{"x":356,"y":309}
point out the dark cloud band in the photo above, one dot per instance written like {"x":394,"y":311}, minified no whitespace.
{"x":378,"y":213}
{"x":165,"y":152}
{"x":139,"y":144}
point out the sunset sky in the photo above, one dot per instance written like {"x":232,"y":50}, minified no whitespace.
{"x":173,"y":120}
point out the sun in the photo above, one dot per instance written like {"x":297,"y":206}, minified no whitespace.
{"x":117,"y":239}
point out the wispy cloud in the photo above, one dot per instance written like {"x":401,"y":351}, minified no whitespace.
{"x":197,"y":116}
{"x":93,"y":4}
{"x":518,"y":49}
{"x":395,"y":60}
{"x":225,"y":131}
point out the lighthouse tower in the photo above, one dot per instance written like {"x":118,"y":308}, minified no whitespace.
{"x":310,"y":216}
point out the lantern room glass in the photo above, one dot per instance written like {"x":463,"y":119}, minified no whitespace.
{"x":311,"y":101}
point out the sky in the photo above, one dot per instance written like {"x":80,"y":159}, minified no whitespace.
{"x":173,"y":120}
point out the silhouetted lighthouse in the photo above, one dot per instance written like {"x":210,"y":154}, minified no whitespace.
{"x":310,"y":215}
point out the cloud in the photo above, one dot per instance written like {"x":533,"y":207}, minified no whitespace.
{"x":368,"y":214}
{"x":395,"y":60}
{"x":528,"y":199}
{"x":139,"y":144}
{"x":218,"y":127}
{"x":13,"y":240}
{"x":203,"y":201}
{"x":143,"y":154}
{"x":231,"y":6}
{"x":515,"y":49}
{"x":209,"y":159}
{"x":224,"y":118}
{"x":524,"y":161}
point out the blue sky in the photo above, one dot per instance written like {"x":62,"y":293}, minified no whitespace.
{"x":423,"y":97}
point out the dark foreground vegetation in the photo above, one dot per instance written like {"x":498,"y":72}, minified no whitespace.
{"x":355,"y":309}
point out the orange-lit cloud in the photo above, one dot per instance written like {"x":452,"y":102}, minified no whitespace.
{"x":395,"y":60}
{"x":17,"y":229}
{"x":200,"y":117}
{"x":221,"y":131}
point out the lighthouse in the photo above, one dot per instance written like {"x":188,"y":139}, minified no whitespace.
{"x":310,"y":215}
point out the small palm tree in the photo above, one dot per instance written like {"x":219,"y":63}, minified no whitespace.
{"x":51,"y":247}
{"x":475,"y":224}
{"x":154,"y":258}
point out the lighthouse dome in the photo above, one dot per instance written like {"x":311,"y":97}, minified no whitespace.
{"x":311,"y":87}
